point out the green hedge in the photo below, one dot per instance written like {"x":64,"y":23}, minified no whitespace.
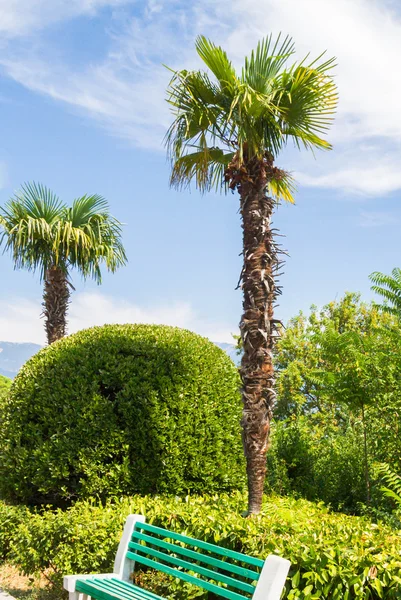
{"x":5,"y":384}
{"x":122,"y":409}
{"x":333,"y":556}
{"x":11,"y":517}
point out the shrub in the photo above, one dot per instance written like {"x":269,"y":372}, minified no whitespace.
{"x":5,"y":384}
{"x":122,"y":409}
{"x":333,"y":556}
{"x":10,"y":519}
{"x":317,"y":461}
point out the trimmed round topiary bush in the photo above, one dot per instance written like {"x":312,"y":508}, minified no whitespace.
{"x":5,"y":385}
{"x":122,"y":409}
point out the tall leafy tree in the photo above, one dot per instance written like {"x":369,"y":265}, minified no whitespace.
{"x":45,"y":235}
{"x":228,"y":129}
{"x":339,"y":385}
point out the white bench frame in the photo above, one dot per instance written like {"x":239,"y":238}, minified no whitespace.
{"x":269,"y":586}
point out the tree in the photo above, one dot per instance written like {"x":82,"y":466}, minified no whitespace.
{"x":228,"y":130}
{"x":43,"y":234}
{"x":339,"y":381}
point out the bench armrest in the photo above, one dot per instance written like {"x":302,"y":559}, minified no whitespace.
{"x":272,"y":578}
{"x":69,"y":581}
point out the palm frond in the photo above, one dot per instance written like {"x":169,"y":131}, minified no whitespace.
{"x":283,"y":187}
{"x":266,"y":62}
{"x":206,"y":166}
{"x":27,"y":223}
{"x":307,"y":98}
{"x":217,"y":61}
{"x":85,"y":208}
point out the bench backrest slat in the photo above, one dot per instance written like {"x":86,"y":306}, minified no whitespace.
{"x":208,"y":573}
{"x":225,"y":572}
{"x":211,"y":587}
{"x":199,"y":556}
{"x":250,"y":560}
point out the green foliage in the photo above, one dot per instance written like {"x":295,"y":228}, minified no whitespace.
{"x":389,"y":288}
{"x":5,"y":385}
{"x":219,"y":115}
{"x":339,"y":397}
{"x":11,"y":518}
{"x":393,"y":484}
{"x":122,"y":409}
{"x":333,"y":556}
{"x":41,"y":232}
{"x":317,"y":460}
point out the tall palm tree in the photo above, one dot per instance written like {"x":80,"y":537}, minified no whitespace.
{"x":45,"y":235}
{"x":389,"y":288}
{"x":228,"y":129}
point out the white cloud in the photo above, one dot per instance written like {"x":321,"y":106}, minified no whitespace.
{"x":20,"y":322}
{"x":124,"y":91}
{"x":133,"y":110}
{"x":376,"y":219}
{"x":364,"y":35}
{"x":21,"y":17}
{"x":371,"y":178}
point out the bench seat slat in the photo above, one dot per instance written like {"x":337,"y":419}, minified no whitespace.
{"x":113,"y":590}
{"x":96,"y":588}
{"x":127,"y":586}
{"x":132,"y":590}
{"x":214,"y":575}
{"x":250,"y":560}
{"x":204,"y":558}
{"x":211,"y":587}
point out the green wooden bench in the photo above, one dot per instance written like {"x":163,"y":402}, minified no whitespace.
{"x":218,"y":570}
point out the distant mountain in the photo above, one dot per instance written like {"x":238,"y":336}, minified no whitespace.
{"x":13,"y":356}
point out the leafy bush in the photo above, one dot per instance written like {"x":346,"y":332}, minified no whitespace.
{"x":318,"y":461}
{"x":333,"y":556}
{"x":5,"y":384}
{"x":10,"y":519}
{"x":122,"y":409}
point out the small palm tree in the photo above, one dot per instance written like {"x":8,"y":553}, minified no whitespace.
{"x":389,"y":288}
{"x":228,"y":129}
{"x":45,"y":235}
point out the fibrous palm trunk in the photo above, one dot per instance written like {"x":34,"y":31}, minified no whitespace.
{"x":259,"y":329}
{"x":56,"y":298}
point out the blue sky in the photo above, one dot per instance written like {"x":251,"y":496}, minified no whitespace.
{"x":82,"y":110}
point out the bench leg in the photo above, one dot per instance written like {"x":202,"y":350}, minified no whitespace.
{"x":78,"y":596}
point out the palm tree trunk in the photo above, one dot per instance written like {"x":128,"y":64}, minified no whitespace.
{"x":258,"y":327}
{"x":56,"y":298}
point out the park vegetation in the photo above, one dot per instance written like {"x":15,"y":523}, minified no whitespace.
{"x":146,"y":419}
